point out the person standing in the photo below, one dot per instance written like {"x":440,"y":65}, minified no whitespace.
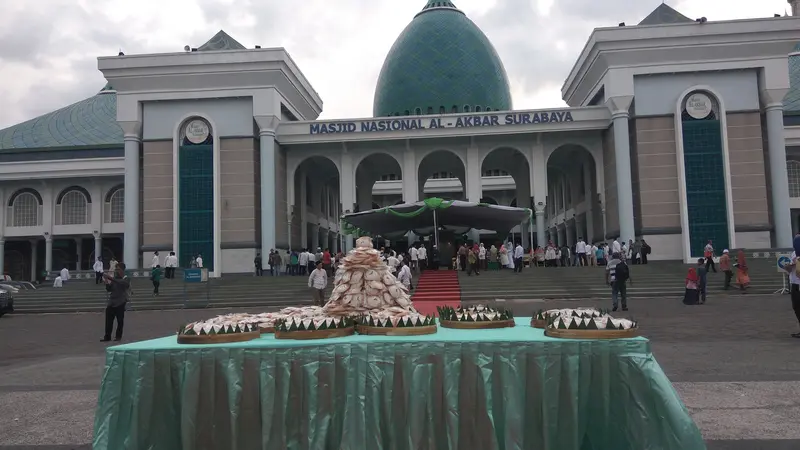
{"x":318,"y":281}
{"x":404,"y":276}
{"x":580,"y":249}
{"x":112,"y":265}
{"x":276,"y":263}
{"x":794,"y":282}
{"x":259,"y":263}
{"x":171,"y":262}
{"x":64,"y":275}
{"x":616,"y":247}
{"x":312,"y":261}
{"x":637,"y":251}
{"x":725,"y":267}
{"x":327,"y":261}
{"x":199,"y":261}
{"x":155,"y":277}
{"x":708,"y":253}
{"x":742,"y":272}
{"x":156,"y":261}
{"x":702,"y":280}
{"x":617,"y":274}
{"x":413,"y":253}
{"x":482,"y":257}
{"x":422,"y":254}
{"x":472,"y":262}
{"x":519,"y":252}
{"x":462,"y":257}
{"x":302,"y":262}
{"x":646,"y":249}
{"x":118,"y":286}
{"x":98,"y":271}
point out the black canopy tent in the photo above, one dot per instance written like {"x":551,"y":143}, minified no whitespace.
{"x":426,"y":217}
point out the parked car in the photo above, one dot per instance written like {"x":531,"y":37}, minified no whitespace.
{"x":6,"y":302}
{"x":20,"y":285}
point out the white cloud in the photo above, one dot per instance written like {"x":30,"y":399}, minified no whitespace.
{"x":48,"y":48}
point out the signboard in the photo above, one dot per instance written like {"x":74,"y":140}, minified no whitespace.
{"x":438,"y":122}
{"x":782,"y":260}
{"x":197,"y":131}
{"x":698,"y":106}
{"x":195,"y":275}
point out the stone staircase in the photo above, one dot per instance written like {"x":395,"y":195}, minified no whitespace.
{"x":657,"y":279}
{"x":83,"y":295}
{"x":653,"y":280}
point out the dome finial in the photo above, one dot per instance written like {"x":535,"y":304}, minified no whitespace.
{"x":438,"y":4}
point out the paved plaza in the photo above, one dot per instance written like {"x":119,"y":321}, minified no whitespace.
{"x":732,"y":361}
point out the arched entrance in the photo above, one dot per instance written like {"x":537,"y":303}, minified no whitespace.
{"x":377,"y":167}
{"x":505,"y":176}
{"x":573,"y":200}
{"x":442,"y":173}
{"x":316,"y":204}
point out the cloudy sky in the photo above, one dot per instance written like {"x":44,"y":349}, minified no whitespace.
{"x":49,"y":48}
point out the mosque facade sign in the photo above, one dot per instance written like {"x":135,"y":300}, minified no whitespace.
{"x":441,"y":122}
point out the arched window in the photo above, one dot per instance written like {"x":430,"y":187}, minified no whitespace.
{"x":72,"y":207}
{"x":25,"y":209}
{"x":442,"y":110}
{"x":114,"y":210}
{"x":793,"y":169}
{"x":455,"y":109}
{"x":477,"y":109}
{"x":488,"y":109}
{"x":407,"y":113}
{"x":466,"y":108}
{"x":418,"y":112}
{"x":430,"y":110}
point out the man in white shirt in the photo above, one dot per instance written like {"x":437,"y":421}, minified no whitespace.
{"x":156,"y":261}
{"x":199,"y":261}
{"x":392,"y":262}
{"x":405,"y":276}
{"x":590,"y":255}
{"x":98,"y":271}
{"x":518,"y":253}
{"x":482,"y":257}
{"x":616,"y":247}
{"x":64,"y":275}
{"x":171,"y":262}
{"x":312,"y":261}
{"x":318,"y":281}
{"x":414,"y":254}
{"x":422,"y":254}
{"x":302,"y":262}
{"x":580,"y":249}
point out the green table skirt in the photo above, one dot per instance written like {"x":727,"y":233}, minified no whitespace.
{"x":490,"y":389}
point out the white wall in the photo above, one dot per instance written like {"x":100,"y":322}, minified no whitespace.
{"x":233,"y":117}
{"x":656,"y":95}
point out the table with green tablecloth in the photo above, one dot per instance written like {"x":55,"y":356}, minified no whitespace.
{"x":511,"y":388}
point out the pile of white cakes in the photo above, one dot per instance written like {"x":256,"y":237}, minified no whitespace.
{"x":364,"y":284}
{"x":211,"y":327}
{"x":478,"y":313}
{"x":318,"y":323}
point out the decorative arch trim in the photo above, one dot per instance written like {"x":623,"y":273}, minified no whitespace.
{"x":510,"y":147}
{"x":682,"y":196}
{"x":19,"y":192}
{"x":113,"y":191}
{"x":67,"y":190}
{"x":357,"y":162}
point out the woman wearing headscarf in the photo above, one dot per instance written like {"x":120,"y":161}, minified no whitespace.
{"x":692,"y":295}
{"x":503,"y":257}
{"x":742,"y":272}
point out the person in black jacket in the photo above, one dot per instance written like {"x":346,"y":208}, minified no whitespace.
{"x":118,"y":286}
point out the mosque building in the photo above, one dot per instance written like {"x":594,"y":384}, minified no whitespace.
{"x":677,"y":131}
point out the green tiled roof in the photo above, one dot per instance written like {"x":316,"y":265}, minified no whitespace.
{"x":791,"y":103}
{"x":221,"y":41}
{"x":90,"y":122}
{"x":664,"y":15}
{"x":441,"y":59}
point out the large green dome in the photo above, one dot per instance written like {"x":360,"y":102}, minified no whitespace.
{"x":442,"y":62}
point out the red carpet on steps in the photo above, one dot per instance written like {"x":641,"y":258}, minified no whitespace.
{"x":436,"y":288}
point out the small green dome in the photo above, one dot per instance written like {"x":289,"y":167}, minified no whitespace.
{"x":442,"y":62}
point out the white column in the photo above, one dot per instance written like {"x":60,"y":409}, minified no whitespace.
{"x":48,"y":253}
{"x":541,"y":239}
{"x":98,"y":246}
{"x":2,"y":256}
{"x":474,"y":186}
{"x":411,"y":190}
{"x":779,"y":179}
{"x":79,"y":251}
{"x":303,"y":211}
{"x":131,"y":247}
{"x":347,"y":190}
{"x":268,"y":202}
{"x":622,"y":153}
{"x":590,"y":203}
{"x":34,"y":259}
